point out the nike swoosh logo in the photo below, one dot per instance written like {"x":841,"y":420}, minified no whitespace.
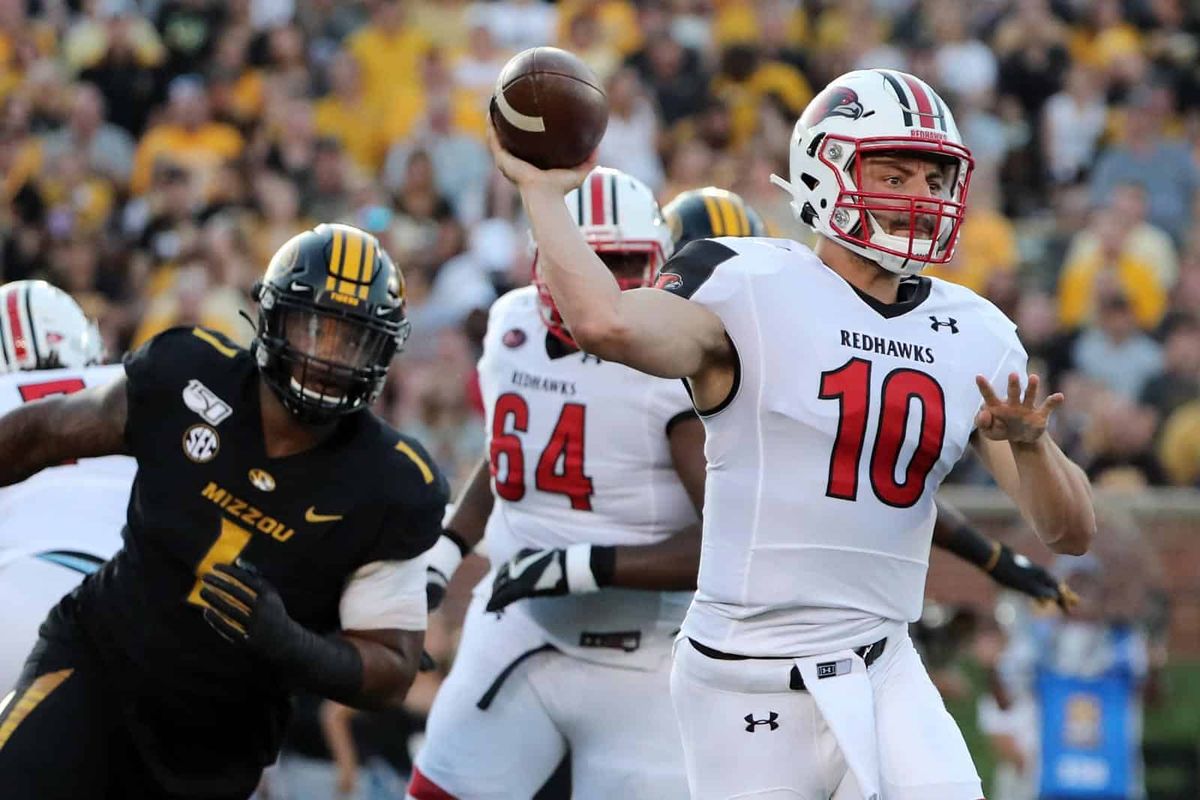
{"x":517,"y":567}
{"x":311,"y":515}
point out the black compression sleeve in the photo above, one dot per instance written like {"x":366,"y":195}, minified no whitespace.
{"x":326,"y":665}
{"x":973,"y":546}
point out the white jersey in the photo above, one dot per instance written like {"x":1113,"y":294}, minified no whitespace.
{"x":579,"y":453}
{"x":823,"y":463}
{"x":78,"y":506}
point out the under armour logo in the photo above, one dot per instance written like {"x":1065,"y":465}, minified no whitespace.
{"x":752,"y":723}
{"x":950,"y":323}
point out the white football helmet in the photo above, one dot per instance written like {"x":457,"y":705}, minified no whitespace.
{"x":617,"y":213}
{"x":876,"y":111}
{"x":42,"y":327}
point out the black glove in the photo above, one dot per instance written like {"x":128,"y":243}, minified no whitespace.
{"x":247,"y":611}
{"x":1015,"y":571}
{"x":245,"y":608}
{"x":443,"y":559}
{"x":578,"y":569}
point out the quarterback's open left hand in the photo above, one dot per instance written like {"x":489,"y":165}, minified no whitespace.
{"x":245,"y":608}
{"x":543,"y":573}
{"x":1019,"y":420}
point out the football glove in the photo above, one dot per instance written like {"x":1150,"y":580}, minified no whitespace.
{"x":444,"y":557}
{"x":245,"y":609}
{"x":577,"y":569}
{"x":1011,"y":569}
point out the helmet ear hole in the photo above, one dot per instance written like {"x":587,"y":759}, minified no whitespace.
{"x":808,"y":214}
{"x":810,"y":181}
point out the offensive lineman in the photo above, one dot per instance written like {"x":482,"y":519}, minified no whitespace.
{"x":62,"y":523}
{"x":271,"y":544}
{"x":833,"y":387}
{"x":599,"y":475}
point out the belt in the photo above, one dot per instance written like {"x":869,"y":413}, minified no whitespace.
{"x":869,"y":653}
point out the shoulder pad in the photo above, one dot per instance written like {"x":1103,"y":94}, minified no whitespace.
{"x":687,"y":270}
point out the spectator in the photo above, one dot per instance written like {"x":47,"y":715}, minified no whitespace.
{"x":631,"y":140}
{"x":1164,"y":168}
{"x":745,"y":80}
{"x":107,"y":148}
{"x":190,"y":29}
{"x":476,"y":68}
{"x":965,"y":66}
{"x":1109,"y":260}
{"x":1179,"y":380}
{"x":461,"y":163}
{"x":349,"y":116}
{"x":190,"y":138}
{"x":325,"y":192}
{"x":1113,"y":351}
{"x":1072,"y":124}
{"x":89,"y":38}
{"x":1179,"y":445}
{"x":128,"y":73}
{"x":1142,"y":242}
{"x":518,"y":24}
{"x":675,"y":75}
{"x":389,"y":52}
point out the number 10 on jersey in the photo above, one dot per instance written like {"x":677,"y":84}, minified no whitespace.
{"x":850,"y":386}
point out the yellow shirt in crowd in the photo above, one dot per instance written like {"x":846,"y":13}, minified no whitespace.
{"x":200,"y":151}
{"x":1138,"y":281}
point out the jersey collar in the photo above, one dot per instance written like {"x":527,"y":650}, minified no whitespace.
{"x":912,"y":292}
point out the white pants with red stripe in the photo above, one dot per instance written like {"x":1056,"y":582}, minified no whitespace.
{"x":617,"y":723}
{"x":880,"y":731}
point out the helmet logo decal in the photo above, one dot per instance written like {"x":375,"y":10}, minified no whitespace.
{"x":351,"y":267}
{"x":836,"y":101}
{"x":668,"y":281}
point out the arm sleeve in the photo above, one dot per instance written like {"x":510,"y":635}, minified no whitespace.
{"x":385,"y":594}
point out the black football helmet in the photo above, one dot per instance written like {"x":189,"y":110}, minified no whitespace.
{"x":710,"y":212}
{"x":331,"y":318}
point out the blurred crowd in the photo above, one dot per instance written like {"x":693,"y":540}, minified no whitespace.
{"x":154,"y":154}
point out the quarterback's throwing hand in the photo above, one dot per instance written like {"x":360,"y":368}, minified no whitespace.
{"x":244,"y":607}
{"x":1016,"y":419}
{"x":1015,"y":571}
{"x":524,"y":174}
{"x":543,"y":573}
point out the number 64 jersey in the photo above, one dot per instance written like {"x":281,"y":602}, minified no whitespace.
{"x":579,"y":453}
{"x":822,"y":464}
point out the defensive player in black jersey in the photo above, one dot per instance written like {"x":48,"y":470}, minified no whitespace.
{"x":271,"y":542}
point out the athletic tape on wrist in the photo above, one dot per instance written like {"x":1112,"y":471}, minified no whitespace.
{"x":579,"y":569}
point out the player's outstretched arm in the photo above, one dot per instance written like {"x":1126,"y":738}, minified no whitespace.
{"x":368,"y":668}
{"x":952,"y":532}
{"x":1053,"y":493}
{"x":669,"y":565}
{"x":55,"y":429}
{"x":653,"y":332}
{"x":460,"y":534}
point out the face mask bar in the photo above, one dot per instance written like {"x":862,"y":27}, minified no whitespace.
{"x":317,"y":383}
{"x":855,"y":216}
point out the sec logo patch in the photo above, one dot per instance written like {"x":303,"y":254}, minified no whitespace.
{"x":201,"y":443}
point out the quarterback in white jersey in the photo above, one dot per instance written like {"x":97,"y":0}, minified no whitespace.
{"x":60,"y":524}
{"x":835,"y":385}
{"x":597,"y":472}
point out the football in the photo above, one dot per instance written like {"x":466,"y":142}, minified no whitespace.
{"x":549,"y":108}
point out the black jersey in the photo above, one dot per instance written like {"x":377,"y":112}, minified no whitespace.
{"x":207,"y":493}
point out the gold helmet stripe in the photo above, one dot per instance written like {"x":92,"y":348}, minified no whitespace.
{"x":335,"y":261}
{"x":714,"y":216}
{"x":741,"y":209}
{"x":729,"y":217}
{"x":351,"y":266}
{"x":368,"y":268}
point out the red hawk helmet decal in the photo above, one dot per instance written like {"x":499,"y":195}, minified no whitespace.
{"x":668,"y":281}
{"x":835,"y":101}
